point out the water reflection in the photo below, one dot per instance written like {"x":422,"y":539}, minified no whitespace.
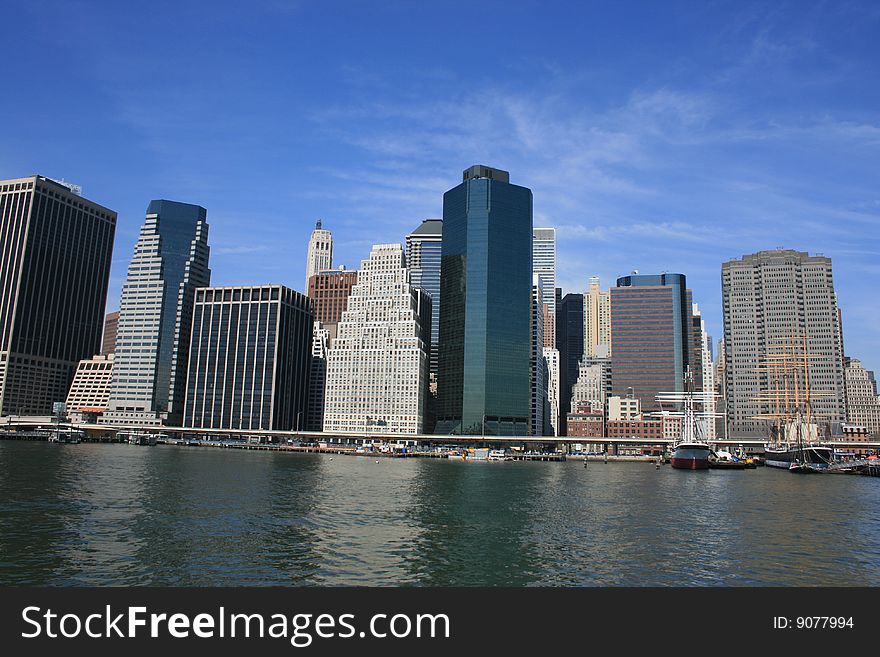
{"x":120,"y":515}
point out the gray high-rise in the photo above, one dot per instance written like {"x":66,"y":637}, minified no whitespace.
{"x":155,"y":317}
{"x":55,"y":251}
{"x":485,"y":316}
{"x":774,"y":301}
{"x":424,"y":251}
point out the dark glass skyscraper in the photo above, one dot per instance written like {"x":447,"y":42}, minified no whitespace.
{"x":570,"y":343}
{"x":485,"y":325}
{"x":652,"y":333}
{"x":55,"y":250}
{"x":249,"y":359}
{"x":155,"y":317}
{"x":424,"y":252}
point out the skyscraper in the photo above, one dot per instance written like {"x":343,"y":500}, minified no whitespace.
{"x":775,"y":301}
{"x":317,"y":378}
{"x":597,"y":318}
{"x":544,"y":267}
{"x":55,"y":251}
{"x":537,"y":366}
{"x":249,"y":359}
{"x":862,"y":403}
{"x":653,"y":332}
{"x":320,"y":255}
{"x":570,"y":343}
{"x":551,"y":409}
{"x":702,"y":354}
{"x":155,"y":317}
{"x":424,"y":251}
{"x":485,"y":284}
{"x":377,"y":368}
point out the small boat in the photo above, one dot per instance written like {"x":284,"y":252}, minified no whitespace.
{"x":804,"y":468}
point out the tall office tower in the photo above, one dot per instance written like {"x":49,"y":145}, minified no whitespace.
{"x":424,"y":252}
{"x":570,"y":342}
{"x":249,"y":359}
{"x":155,"y":317}
{"x":111,"y":325}
{"x":320,"y":255}
{"x":317,"y":378}
{"x":90,"y":391}
{"x":653,"y":332}
{"x":544,"y":267}
{"x":551,"y":410}
{"x":329,"y":292}
{"x":486,"y":286}
{"x":862,"y":403}
{"x":537,"y":381}
{"x":377,"y":368}
{"x":597,"y":318}
{"x":703,"y":352}
{"x":774,"y":301}
{"x":55,"y":250}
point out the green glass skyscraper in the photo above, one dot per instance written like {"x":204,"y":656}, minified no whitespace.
{"x":486,"y":287}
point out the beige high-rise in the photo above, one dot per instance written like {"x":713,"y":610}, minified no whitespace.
{"x":597,"y":319}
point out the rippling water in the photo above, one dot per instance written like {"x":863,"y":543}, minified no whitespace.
{"x":121,"y":515}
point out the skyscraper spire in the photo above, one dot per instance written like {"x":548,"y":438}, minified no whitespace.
{"x":320,"y":255}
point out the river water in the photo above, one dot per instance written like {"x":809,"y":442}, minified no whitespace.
{"x":93,"y":514}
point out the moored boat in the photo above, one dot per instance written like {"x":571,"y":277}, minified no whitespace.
{"x":691,"y":455}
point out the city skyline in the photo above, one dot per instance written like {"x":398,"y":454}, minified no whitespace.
{"x":758,"y":129}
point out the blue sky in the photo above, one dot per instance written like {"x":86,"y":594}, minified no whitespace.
{"x":655,"y":136}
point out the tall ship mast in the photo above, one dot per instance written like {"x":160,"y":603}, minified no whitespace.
{"x":793,"y":426}
{"x":690,"y":450}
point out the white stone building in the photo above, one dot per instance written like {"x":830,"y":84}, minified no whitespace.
{"x":320,"y":255}
{"x":377,"y":368}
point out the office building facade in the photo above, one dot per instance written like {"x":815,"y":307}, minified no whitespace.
{"x":544,"y":269}
{"x":424,"y":254}
{"x":652,"y":325}
{"x":774,"y":302}
{"x":597,"y":319}
{"x":485,"y":317}
{"x":155,"y":317}
{"x":329,"y":292}
{"x":249,"y":359}
{"x":89,"y":392}
{"x":570,"y":342}
{"x":377,"y":367}
{"x":111,"y":326}
{"x":55,"y":252}
{"x":862,"y":402}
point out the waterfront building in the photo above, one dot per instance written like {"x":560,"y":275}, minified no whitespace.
{"x":424,"y":254}
{"x":320,"y":254}
{"x":652,"y":324}
{"x":111,"y":325}
{"x":623,"y":408}
{"x":597,"y":319}
{"x":89,"y":392}
{"x":585,"y":421}
{"x":249,"y":359}
{"x":719,"y":373}
{"x":775,"y":301}
{"x":537,"y":366}
{"x":377,"y":367}
{"x":551,"y":410}
{"x":155,"y":317}
{"x":862,"y":403}
{"x":55,"y":252}
{"x":485,"y":283}
{"x":544,"y":268}
{"x":317,"y":377}
{"x":570,"y":342}
{"x":329,"y":292}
